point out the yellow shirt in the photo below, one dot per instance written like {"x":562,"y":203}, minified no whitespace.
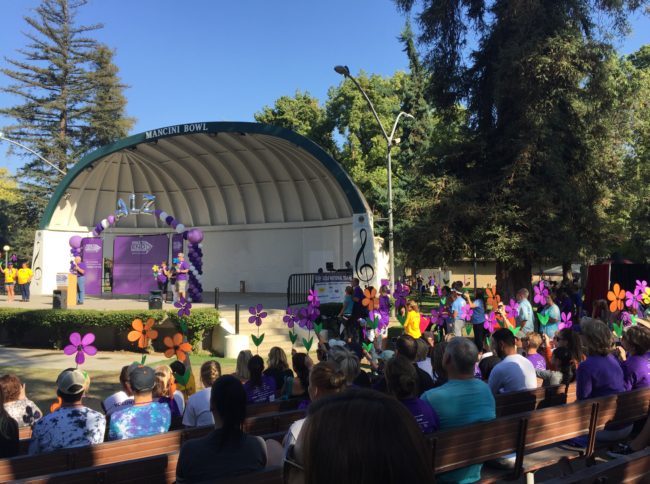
{"x":24,"y":275}
{"x":412,"y":324}
{"x":10,"y":276}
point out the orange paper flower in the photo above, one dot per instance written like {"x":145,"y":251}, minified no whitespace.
{"x":176,"y":345}
{"x":370,"y":300}
{"x":616,"y":297}
{"x":142,"y":332}
{"x":493,"y":298}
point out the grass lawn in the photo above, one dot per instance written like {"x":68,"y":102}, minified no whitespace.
{"x":41,"y":389}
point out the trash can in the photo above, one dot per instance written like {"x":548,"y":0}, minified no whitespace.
{"x":155,"y":300}
{"x":60,"y":299}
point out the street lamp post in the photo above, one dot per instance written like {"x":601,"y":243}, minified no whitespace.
{"x":390,"y":141}
{"x":4,"y":138}
{"x":6,"y":248}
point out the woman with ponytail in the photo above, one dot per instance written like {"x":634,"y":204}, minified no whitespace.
{"x":563,"y":368}
{"x":197,"y":411}
{"x":227,"y":450}
{"x":325,"y":379}
{"x":402,"y":383}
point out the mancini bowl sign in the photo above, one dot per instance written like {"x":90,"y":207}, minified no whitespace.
{"x":178,"y":129}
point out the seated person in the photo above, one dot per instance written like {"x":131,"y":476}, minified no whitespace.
{"x":513,"y":373}
{"x":73,"y":424}
{"x":145,"y":416}
{"x":8,"y":431}
{"x":165,"y":392}
{"x":25,"y":412}
{"x":531,"y":344}
{"x":278,"y":367}
{"x":563,"y":368}
{"x":119,"y":399}
{"x":298,"y":387}
{"x":197,"y":411}
{"x":634,"y":357}
{"x":259,"y":388}
{"x":226,"y":451}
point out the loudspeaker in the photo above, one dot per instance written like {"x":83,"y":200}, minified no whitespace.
{"x":155,"y":300}
{"x":59,"y":299}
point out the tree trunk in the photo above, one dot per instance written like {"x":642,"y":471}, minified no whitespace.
{"x":510,"y":279}
{"x":567,"y":273}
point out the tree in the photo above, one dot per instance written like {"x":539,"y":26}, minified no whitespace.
{"x":546,"y":134}
{"x":9,"y":196}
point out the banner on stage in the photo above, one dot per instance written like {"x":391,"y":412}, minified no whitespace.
{"x":92,"y":250}
{"x":177,"y":244}
{"x":133,"y":258}
{"x":331,"y":287}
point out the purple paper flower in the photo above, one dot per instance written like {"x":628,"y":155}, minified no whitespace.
{"x":566,"y":321}
{"x":183,"y":306}
{"x":641,"y":287}
{"x":435,"y":318}
{"x":80,"y":346}
{"x":632,"y":300}
{"x":313,"y":298}
{"x":541,"y":293}
{"x":400,"y":294}
{"x":512,"y":309}
{"x":304,"y":319}
{"x":626,"y":319}
{"x":258,"y":314}
{"x":290,"y":318}
{"x":384,"y":282}
{"x":466,"y":312}
{"x":490,"y":322}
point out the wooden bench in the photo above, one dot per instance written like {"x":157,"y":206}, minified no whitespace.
{"x":630,"y":468}
{"x":273,"y":407}
{"x":528,"y":400}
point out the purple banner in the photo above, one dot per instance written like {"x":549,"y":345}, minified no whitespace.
{"x":177,"y":244}
{"x":133,"y":258}
{"x":92,"y":254}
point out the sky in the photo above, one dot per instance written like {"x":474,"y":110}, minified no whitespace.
{"x":223,"y":60}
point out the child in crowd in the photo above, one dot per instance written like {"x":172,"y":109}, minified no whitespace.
{"x":563,"y":369}
{"x":531,"y":344}
{"x":165,"y":392}
{"x":412,"y":324}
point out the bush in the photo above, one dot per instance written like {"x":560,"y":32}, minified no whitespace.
{"x":60,"y":322}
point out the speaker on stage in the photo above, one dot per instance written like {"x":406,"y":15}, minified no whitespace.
{"x":60,"y":299}
{"x":155,"y":300}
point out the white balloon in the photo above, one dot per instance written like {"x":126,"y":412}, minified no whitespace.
{"x":200,"y":245}
{"x":163,"y":216}
{"x":105,"y":223}
{"x":195,"y":272}
{"x":180,"y":228}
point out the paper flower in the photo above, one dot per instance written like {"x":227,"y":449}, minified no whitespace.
{"x":258,"y":314}
{"x":512,"y":309}
{"x":616,"y":296}
{"x":491,"y":322}
{"x":176,"y":345}
{"x":466,"y":312}
{"x":646,"y":296}
{"x":626,"y":319}
{"x":400,"y":294}
{"x":435,"y":318}
{"x":80,"y":346}
{"x":312,"y":298}
{"x":632,"y":300}
{"x":184,"y":307}
{"x":370,"y":299}
{"x":541,"y":293}
{"x":142,"y":333}
{"x":290,"y":318}
{"x":385,"y":282}
{"x":155,"y":269}
{"x":493,"y":298}
{"x":566,"y":321}
{"x":641,"y":287}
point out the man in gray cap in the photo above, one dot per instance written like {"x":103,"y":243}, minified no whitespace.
{"x":145,"y":416}
{"x":72,"y":425}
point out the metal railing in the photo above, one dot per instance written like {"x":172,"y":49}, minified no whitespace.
{"x":298,"y":288}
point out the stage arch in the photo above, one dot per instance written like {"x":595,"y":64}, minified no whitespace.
{"x":269,"y":201}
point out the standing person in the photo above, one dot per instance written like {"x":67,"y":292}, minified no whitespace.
{"x":412,"y":323}
{"x":553,"y":312}
{"x":358,"y":310}
{"x":513,"y":373}
{"x":345,"y":315}
{"x":10,"y":280}
{"x":25,"y":275}
{"x":384,"y":318}
{"x":79,"y":269}
{"x":478,"y":317}
{"x":162,"y":279}
{"x":173,"y":274}
{"x":72,"y":425}
{"x":525,"y":318}
{"x":456,"y":309}
{"x":182,"y":275}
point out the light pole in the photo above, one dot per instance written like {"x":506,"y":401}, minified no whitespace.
{"x":390,"y":141}
{"x":3,"y":138}
{"x":6,"y":248}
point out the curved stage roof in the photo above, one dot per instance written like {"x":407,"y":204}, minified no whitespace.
{"x":207,"y":174}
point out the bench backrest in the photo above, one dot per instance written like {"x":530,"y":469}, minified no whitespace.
{"x":273,"y":407}
{"x":528,"y":400}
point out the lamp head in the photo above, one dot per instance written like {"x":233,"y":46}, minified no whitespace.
{"x":343,"y":70}
{"x":6,"y":248}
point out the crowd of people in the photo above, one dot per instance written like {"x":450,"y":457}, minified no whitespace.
{"x":427,"y":379}
{"x":174,"y":276}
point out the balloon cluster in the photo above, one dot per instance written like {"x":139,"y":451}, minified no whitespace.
{"x":75,"y":248}
{"x":107,"y":222}
{"x":171,"y":221}
{"x":195,"y":255}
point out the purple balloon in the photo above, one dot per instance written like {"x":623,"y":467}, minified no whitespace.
{"x":174,"y":224}
{"x":111,"y":219}
{"x":99,"y":229}
{"x":185,"y":235}
{"x":169,"y":220}
{"x":75,"y":241}
{"x":157,"y":213}
{"x":195,"y":236}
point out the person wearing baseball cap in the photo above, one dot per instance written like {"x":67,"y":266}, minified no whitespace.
{"x":145,"y":416}
{"x":72,"y":425}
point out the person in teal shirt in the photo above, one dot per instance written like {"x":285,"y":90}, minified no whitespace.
{"x":463,"y":400}
{"x":553,"y":312}
{"x":525,"y":317}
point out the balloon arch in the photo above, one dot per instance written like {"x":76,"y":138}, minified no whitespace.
{"x":193,"y":237}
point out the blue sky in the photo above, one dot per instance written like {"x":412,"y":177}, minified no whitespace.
{"x":214,"y":60}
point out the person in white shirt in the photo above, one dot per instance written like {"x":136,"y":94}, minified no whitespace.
{"x":120,"y":399}
{"x":197,"y":411}
{"x":514,"y":372}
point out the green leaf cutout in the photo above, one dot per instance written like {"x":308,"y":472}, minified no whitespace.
{"x":618,"y":329}
{"x":307,"y":343}
{"x":257,"y":340}
{"x":182,"y":379}
{"x":513,"y":330}
{"x":293,"y":337}
{"x":144,"y":358}
{"x":367,"y":346}
{"x":184,"y":327}
{"x":468,"y":329}
{"x":633,"y":318}
{"x":373,"y":324}
{"x":543,"y":318}
{"x":443,"y":301}
{"x":401,"y":319}
{"x":318,"y":327}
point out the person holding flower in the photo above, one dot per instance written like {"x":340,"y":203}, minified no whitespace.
{"x":551,"y":310}
{"x":162,"y":279}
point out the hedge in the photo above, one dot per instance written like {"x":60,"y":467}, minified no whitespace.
{"x":61,"y":322}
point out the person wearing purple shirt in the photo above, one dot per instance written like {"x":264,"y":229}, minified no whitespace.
{"x":79,"y":269}
{"x":531,"y":344}
{"x":635,"y":358}
{"x":259,"y":388}
{"x":182,"y":275}
{"x":402,"y":382}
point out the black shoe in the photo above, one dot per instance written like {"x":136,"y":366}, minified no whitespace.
{"x":621,"y":449}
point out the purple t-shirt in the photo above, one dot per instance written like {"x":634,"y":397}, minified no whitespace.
{"x":424,"y":414}
{"x":260,"y":394}
{"x":538,"y":361}
{"x":181,"y":267}
{"x":599,"y":376}
{"x":81,"y":265}
{"x":636,"y":371}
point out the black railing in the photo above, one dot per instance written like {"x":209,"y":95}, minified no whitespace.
{"x":298,"y":288}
